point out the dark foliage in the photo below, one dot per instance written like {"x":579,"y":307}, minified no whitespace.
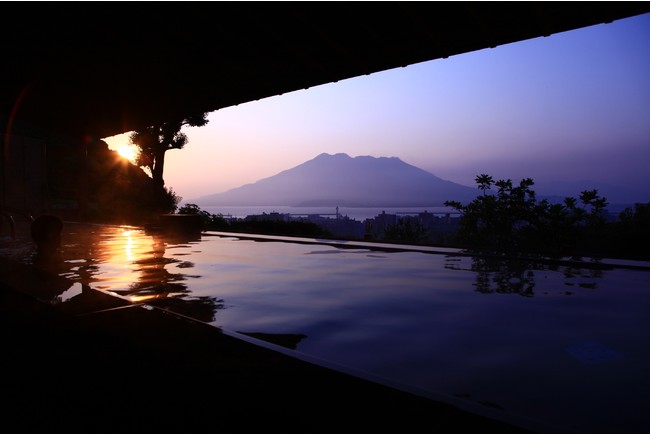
{"x":90,"y":182}
{"x":629,"y":237}
{"x":153,"y":142}
{"x":209,"y":221}
{"x":294,"y":228}
{"x":514,"y":222}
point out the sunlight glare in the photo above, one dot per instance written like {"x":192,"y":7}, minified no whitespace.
{"x":127,"y":151}
{"x":122,"y":145}
{"x":128,"y":246}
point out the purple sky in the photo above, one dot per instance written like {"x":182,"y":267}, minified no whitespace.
{"x":572,"y":106}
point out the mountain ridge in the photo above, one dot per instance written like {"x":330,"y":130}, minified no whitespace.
{"x":341,"y":180}
{"x":366,"y":181}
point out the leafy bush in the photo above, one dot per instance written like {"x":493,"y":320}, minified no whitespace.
{"x":513,"y":221}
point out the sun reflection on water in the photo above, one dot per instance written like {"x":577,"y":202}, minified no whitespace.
{"x":128,"y":245}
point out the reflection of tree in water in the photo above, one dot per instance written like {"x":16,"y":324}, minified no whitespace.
{"x":495,"y":275}
{"x":160,"y":287}
{"x":571,"y":273}
{"x":515,"y":276}
{"x":579,"y":273}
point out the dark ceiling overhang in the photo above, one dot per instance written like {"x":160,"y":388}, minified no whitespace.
{"x":102,"y":68}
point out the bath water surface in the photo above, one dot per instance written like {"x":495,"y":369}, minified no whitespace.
{"x":563,"y":345}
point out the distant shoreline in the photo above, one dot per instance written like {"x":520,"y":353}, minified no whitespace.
{"x":356,"y":213}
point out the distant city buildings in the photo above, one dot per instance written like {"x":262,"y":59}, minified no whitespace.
{"x":426,"y":226}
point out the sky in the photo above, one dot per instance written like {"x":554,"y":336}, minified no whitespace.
{"x":572,"y":106}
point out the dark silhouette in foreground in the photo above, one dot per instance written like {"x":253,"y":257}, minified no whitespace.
{"x":513,"y":222}
{"x":153,"y":142}
{"x":254,"y":226}
{"x":46,"y":233}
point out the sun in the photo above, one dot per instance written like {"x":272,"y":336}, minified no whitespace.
{"x":120,"y":144}
{"x":127,"y":151}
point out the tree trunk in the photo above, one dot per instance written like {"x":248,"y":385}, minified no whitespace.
{"x":158,"y":181}
{"x":158,"y":169}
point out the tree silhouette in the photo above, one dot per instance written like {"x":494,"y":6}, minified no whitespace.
{"x":155,"y":140}
{"x":513,"y":221}
{"x":632,"y":234}
{"x":484,"y":182}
